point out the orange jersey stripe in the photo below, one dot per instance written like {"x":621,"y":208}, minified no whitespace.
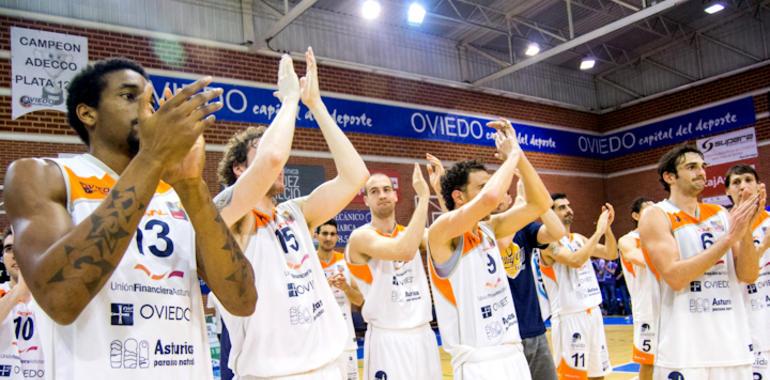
{"x":642,"y":357}
{"x":442,"y":285}
{"x":336,"y":257}
{"x":361,"y":272}
{"x":565,"y":372}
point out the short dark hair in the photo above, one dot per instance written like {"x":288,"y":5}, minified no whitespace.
{"x":330,"y":222}
{"x":456,"y":178}
{"x":87,"y":86}
{"x":738,"y":170}
{"x":672,"y":158}
{"x":8,"y":232}
{"x":638,"y":203}
{"x":236,"y":153}
{"x":557,"y":196}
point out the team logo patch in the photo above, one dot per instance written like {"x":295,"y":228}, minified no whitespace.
{"x":381,"y":375}
{"x":695,"y":286}
{"x":176,"y":210}
{"x":576,"y":337}
{"x":512,"y":260}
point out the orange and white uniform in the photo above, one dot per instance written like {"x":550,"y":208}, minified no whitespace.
{"x":21,"y":353}
{"x":297,"y":330}
{"x":147,"y":320}
{"x":336,"y":265}
{"x":577,"y":328}
{"x":399,"y":343}
{"x":703,"y":329}
{"x":475,"y":311}
{"x":756,"y":297}
{"x":645,"y":303}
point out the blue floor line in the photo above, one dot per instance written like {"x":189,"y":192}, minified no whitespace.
{"x":630,"y":367}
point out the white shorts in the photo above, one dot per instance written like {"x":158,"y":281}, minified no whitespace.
{"x":401,"y":354}
{"x":713,"y":373}
{"x":761,"y":367}
{"x":645,"y":341}
{"x":332,"y":371}
{"x":351,"y":365}
{"x":579,"y":345}
{"x":508,"y":367}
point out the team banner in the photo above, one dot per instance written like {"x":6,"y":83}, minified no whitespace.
{"x":42,"y":65}
{"x":722,"y":152}
{"x":252,"y":104}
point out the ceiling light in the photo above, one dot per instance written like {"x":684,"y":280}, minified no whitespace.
{"x":370,"y":9}
{"x":587,"y":63}
{"x":532,"y":49}
{"x":714,"y":8}
{"x":416,"y":14}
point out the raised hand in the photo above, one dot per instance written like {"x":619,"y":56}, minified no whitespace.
{"x":190,"y":167}
{"x":505,"y":140}
{"x":419,"y":184}
{"x":310,"y":93}
{"x":742,"y":214}
{"x":604,"y":221}
{"x":611,"y":211}
{"x":168,"y":133}
{"x":288,"y":83}
{"x":435,"y":172}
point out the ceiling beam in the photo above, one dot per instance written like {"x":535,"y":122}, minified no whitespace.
{"x":583,"y":39}
{"x":287,"y":19}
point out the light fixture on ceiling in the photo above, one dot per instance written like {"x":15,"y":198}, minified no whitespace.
{"x":532,"y":49}
{"x":370,"y":9}
{"x":713,"y":7}
{"x":587,"y":63}
{"x":416,"y":13}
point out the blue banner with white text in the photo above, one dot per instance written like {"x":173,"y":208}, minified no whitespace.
{"x":252,"y":104}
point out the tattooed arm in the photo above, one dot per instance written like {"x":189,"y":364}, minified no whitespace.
{"x":221,"y":262}
{"x":65,"y":265}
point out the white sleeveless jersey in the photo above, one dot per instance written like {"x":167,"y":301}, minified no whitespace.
{"x":297,"y":326}
{"x":10,"y":359}
{"x":642,"y":285}
{"x":756,"y":296}
{"x":474,"y":307}
{"x":703,"y":325}
{"x":147,"y":321}
{"x":334,"y":267}
{"x":396,"y":292}
{"x":571,"y":290}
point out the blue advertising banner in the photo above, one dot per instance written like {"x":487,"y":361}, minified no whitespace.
{"x":349,"y":220}
{"x":254,"y":104}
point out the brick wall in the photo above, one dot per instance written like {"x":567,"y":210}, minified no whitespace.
{"x":586,"y":194}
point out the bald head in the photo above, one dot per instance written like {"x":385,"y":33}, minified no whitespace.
{"x":378,"y":180}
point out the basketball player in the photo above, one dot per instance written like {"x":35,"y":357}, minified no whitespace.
{"x":384,"y":256}
{"x":517,"y":253}
{"x":700,"y":253}
{"x":473,"y":302}
{"x":579,"y":344}
{"x":345,"y":289}
{"x":107,"y":242}
{"x":297,"y":330}
{"x":645,"y":294}
{"x":21,"y":356}
{"x":743,"y":178}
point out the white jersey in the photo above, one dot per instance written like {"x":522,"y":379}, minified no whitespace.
{"x":297,"y":326}
{"x":756,"y":296}
{"x":571,"y":290}
{"x":474,"y":307}
{"x":147,"y":320}
{"x":396,"y":292}
{"x":642,"y":285}
{"x":693,"y":322}
{"x":334,"y":267}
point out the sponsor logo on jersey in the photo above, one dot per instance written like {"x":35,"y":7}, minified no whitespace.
{"x":751,"y":288}
{"x":576,"y":337}
{"x":695,"y":286}
{"x":700,"y":305}
{"x":121,"y":314}
{"x":380,"y":375}
{"x":6,"y":370}
{"x":155,"y":277}
{"x":486,"y":311}
{"x":296,"y":290}
{"x":493,"y":329}
{"x":90,"y":188}
{"x":129,"y":354}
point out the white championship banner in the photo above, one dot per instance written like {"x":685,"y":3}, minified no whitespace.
{"x":42,"y":65}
